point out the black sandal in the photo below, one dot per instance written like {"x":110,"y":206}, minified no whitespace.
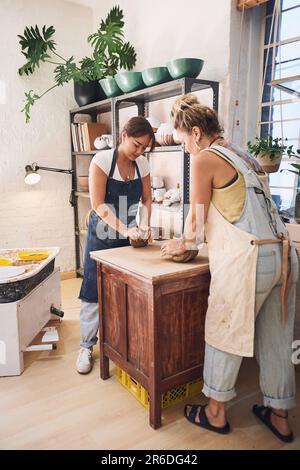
{"x":264,"y":414}
{"x":203,"y":420}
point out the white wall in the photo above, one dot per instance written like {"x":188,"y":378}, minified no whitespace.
{"x":160,"y":30}
{"x":39,"y":215}
{"x":163,"y":30}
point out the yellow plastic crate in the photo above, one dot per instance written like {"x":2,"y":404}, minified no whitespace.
{"x":175,"y":395}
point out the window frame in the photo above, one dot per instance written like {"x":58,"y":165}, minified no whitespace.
{"x":266,"y":49}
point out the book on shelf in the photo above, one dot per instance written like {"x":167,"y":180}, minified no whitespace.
{"x":74,"y":137}
{"x":80,"y":117}
{"x":84,"y":135}
{"x":91,"y":130}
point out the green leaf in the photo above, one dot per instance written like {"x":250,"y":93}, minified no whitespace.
{"x":295,"y":165}
{"x":35,"y":47}
{"x":127,"y":56}
{"x":91,"y":68}
{"x":114,"y":16}
{"x":66,"y":72}
{"x":110,"y":39}
{"x":30,"y":99}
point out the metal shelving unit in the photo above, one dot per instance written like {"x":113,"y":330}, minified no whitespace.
{"x":141,"y":99}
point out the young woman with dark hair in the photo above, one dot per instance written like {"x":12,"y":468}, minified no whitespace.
{"x":118,"y":180}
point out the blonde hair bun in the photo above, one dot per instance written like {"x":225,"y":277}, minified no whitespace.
{"x":184,"y":102}
{"x":187,"y":112}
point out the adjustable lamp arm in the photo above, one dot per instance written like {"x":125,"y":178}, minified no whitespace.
{"x":36,"y":167}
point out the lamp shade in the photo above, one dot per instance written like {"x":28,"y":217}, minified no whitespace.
{"x":31,"y":177}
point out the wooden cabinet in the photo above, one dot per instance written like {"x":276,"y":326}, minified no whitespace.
{"x":152,"y":314}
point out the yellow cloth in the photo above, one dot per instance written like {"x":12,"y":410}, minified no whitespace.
{"x":230,"y":201}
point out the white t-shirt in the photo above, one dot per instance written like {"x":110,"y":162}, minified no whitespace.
{"x":104,"y":160}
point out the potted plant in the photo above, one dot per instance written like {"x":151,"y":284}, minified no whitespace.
{"x":110,"y":52}
{"x":268,"y":151}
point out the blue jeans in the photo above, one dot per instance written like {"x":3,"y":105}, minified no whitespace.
{"x":89,"y":323}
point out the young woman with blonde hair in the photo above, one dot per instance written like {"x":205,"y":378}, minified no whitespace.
{"x":251,"y":305}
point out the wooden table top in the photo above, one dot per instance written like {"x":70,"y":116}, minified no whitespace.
{"x":148,"y":263}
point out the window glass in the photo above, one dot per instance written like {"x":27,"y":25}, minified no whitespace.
{"x":290,"y":129}
{"x":288,"y":51}
{"x":288,"y":4}
{"x":284,"y":185}
{"x":287,"y":69}
{"x":289,"y":25}
{"x":289,"y":111}
{"x":284,"y":198}
{"x":280,"y":95}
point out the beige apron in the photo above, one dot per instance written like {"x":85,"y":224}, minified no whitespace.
{"x":233,"y":254}
{"x":230,"y":316}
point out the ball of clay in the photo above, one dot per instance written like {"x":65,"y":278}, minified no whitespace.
{"x":188,"y":255}
{"x":138,"y":242}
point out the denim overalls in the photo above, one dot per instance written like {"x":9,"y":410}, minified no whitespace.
{"x":123,"y":198}
{"x":245,"y":308}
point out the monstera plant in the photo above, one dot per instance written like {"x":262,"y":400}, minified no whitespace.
{"x":109,"y":46}
{"x":110,"y":53}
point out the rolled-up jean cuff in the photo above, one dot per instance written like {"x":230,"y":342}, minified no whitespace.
{"x":280,"y":403}
{"x":216,"y":395}
{"x":88,"y":344}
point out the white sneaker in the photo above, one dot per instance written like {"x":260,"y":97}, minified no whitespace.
{"x":84,"y":362}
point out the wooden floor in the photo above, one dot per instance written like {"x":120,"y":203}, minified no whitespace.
{"x":51,"y":406}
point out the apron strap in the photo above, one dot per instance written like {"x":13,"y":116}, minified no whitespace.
{"x":137,"y":170}
{"x":237,"y":162}
{"x":285,"y":276}
{"x":113,"y":163}
{"x":251,"y":178}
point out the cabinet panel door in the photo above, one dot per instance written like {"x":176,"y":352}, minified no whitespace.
{"x":195,"y":303}
{"x":114,"y":311}
{"x":138,"y":329}
{"x":170,"y":325}
{"x":181,"y":329}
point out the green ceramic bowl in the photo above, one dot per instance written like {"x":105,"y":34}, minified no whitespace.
{"x":110,"y":87}
{"x":179,"y":68}
{"x":156,"y":75}
{"x":129,"y":81}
